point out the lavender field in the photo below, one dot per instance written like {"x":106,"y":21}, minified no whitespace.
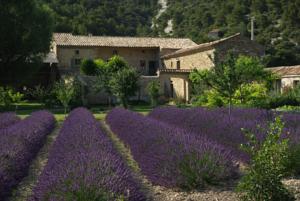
{"x":186,"y":149}
{"x":7,"y":119}
{"x":83,"y":164}
{"x":171,"y":156}
{"x":219,"y":127}
{"x":20,"y":142}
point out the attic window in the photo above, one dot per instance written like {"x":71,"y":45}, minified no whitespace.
{"x":77,"y":52}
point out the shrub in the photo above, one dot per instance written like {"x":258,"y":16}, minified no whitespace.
{"x":83,"y":165}
{"x":88,"y":67}
{"x":210,"y":98}
{"x":7,"y":119}
{"x":19,"y":145}
{"x":9,"y":96}
{"x":251,"y":94}
{"x":124,"y":84}
{"x":153,"y":90}
{"x":101,"y":66}
{"x":64,"y":91}
{"x":39,"y":93}
{"x":169,"y":156}
{"x":294,"y":159}
{"x":268,"y":166}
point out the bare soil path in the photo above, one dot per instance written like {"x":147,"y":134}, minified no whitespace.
{"x":24,"y":189}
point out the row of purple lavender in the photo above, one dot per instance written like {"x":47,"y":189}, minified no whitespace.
{"x":83,"y":164}
{"x":170,"y":156}
{"x":7,"y":119}
{"x":218,"y":126}
{"x":20,"y":143}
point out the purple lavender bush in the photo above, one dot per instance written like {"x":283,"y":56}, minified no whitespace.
{"x":216,"y":124}
{"x":8,"y":119}
{"x":170,"y":156}
{"x":83,"y":164}
{"x":19,"y":145}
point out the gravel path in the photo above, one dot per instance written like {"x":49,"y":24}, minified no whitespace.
{"x":24,"y":189}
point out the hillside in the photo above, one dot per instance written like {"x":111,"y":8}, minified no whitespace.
{"x":103,"y":17}
{"x":277,"y":22}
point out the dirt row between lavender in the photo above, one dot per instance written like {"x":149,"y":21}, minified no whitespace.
{"x":158,"y":193}
{"x":25,"y":188}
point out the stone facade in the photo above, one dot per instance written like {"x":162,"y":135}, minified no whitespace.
{"x":175,"y":85}
{"x":166,"y":60}
{"x":200,"y":58}
{"x":140,"y":58}
{"x":288,"y":77}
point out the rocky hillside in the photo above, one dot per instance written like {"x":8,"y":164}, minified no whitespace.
{"x":277,"y":22}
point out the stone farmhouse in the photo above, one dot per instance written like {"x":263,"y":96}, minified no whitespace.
{"x":288,"y":77}
{"x":167,"y":60}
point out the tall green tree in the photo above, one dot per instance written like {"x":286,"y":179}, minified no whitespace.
{"x":124,"y":84}
{"x":228,"y":75}
{"x":25,"y":36}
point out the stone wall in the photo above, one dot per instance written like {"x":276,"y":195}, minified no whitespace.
{"x":180,"y":83}
{"x":199,"y":60}
{"x":289,"y":81}
{"x":240,"y":45}
{"x":134,"y":56}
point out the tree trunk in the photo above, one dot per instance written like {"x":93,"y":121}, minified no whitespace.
{"x":124,"y":102}
{"x":229,"y":108}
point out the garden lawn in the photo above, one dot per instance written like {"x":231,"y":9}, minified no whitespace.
{"x":26,"y":108}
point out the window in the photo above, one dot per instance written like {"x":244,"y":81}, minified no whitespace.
{"x":171,"y":64}
{"x":77,"y":62}
{"x":278,"y":85}
{"x":296,"y":83}
{"x":178,"y":64}
{"x":115,"y":52}
{"x":142,"y":63}
{"x":77,"y":52}
{"x":152,"y":68}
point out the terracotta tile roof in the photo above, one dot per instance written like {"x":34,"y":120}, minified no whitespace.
{"x":175,"y":70}
{"x":200,"y":47}
{"x":66,"y":39}
{"x":285,"y":70}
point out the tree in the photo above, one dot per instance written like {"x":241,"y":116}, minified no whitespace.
{"x":65,"y":91}
{"x":222,"y":77}
{"x":153,"y":90}
{"x":124,"y":84}
{"x":25,"y":35}
{"x":269,"y":163}
{"x":107,"y":72}
{"x":39,"y":92}
{"x":88,"y":67}
{"x":229,"y":75}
